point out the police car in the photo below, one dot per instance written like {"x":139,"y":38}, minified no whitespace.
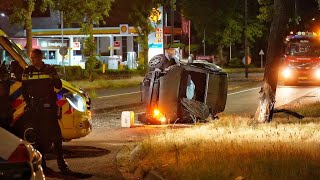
{"x":18,"y":159}
{"x":74,"y":103}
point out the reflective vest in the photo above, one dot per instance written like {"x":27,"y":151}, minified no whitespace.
{"x":38,"y":87}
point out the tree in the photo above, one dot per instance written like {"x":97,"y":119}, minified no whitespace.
{"x":222,"y":21}
{"x":141,"y":11}
{"x":87,"y":14}
{"x":277,"y":35}
{"x":20,"y":12}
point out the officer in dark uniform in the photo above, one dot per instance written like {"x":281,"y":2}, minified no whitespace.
{"x":6,"y":110}
{"x":38,"y":83}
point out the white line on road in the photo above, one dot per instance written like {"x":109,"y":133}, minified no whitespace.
{"x":244,"y":91}
{"x":115,"y":95}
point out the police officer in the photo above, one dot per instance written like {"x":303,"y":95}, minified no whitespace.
{"x":6,"y":110}
{"x":38,"y":83}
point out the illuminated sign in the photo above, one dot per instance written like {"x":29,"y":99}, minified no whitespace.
{"x":76,"y":46}
{"x":124,"y":28}
{"x":155,"y":39}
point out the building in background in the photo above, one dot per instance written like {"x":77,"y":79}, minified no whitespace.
{"x":116,"y":41}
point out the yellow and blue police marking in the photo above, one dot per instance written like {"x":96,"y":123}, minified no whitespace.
{"x":19,"y":104}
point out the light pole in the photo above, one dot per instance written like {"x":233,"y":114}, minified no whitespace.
{"x":172,"y":22}
{"x":246,"y":38}
{"x":63,"y":51}
{"x":189,"y":36}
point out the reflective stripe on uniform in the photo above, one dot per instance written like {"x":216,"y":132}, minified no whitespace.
{"x":18,"y":104}
{"x":35,"y":76}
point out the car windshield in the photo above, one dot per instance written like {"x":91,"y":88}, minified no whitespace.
{"x":304,"y":48}
{"x":17,"y":50}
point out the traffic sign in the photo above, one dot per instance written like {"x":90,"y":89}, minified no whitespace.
{"x":244,"y":60}
{"x":63,"y":51}
{"x":261,"y":52}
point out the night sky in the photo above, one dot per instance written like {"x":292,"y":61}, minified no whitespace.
{"x":307,"y":10}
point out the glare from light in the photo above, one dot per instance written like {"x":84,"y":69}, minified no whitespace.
{"x":318,"y":73}
{"x":2,"y":14}
{"x":156,"y":112}
{"x":287,"y":73}
{"x":76,"y":101}
{"x":163,"y":119}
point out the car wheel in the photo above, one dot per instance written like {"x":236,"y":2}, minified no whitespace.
{"x":156,"y":61}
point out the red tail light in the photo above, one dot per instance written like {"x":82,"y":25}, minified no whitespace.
{"x":21,"y":154}
{"x":159,"y":116}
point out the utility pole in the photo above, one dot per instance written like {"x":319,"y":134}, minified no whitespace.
{"x":62,"y":46}
{"x":189,"y":36}
{"x":245,"y":37}
{"x":172,"y":22}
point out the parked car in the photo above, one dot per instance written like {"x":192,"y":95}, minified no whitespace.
{"x":18,"y":159}
{"x":73,"y":102}
{"x":174,"y":91}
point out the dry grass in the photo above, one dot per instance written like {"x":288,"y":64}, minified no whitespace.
{"x":242,"y":70}
{"x":235,"y":147}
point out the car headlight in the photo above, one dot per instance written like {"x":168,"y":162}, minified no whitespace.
{"x":317,"y":73}
{"x":76,"y":101}
{"x":286,"y":73}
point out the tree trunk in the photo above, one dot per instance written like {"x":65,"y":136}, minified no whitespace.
{"x":274,"y":52}
{"x":28,"y":26}
{"x":145,"y":53}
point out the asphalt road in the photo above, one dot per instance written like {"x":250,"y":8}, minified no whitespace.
{"x":246,"y":101}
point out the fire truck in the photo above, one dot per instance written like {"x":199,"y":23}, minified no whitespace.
{"x":301,"y":59}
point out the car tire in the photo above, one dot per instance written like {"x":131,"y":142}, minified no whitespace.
{"x":157,"y":61}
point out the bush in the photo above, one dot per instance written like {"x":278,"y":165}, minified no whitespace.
{"x":77,"y":73}
{"x":194,"y":48}
{"x":235,"y":63}
{"x":72,"y":72}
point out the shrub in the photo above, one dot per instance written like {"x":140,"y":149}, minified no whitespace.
{"x":194,"y":48}
{"x":72,"y":72}
{"x":235,"y":63}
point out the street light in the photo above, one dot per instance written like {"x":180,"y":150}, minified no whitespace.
{"x":246,"y":54}
{"x":2,"y":14}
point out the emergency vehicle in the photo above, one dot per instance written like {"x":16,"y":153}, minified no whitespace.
{"x":73,"y":102}
{"x":18,"y":159}
{"x":301,"y":59}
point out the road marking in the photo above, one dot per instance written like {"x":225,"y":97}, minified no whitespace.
{"x":243,"y":91}
{"x":115,"y":95}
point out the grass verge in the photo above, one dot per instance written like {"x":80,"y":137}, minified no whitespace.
{"x":242,"y":70}
{"x":234,"y":147}
{"x":107,"y":83}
